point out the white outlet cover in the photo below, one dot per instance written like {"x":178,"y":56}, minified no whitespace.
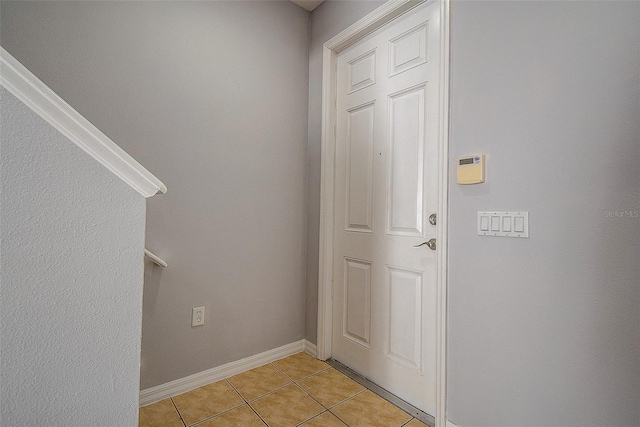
{"x":197,"y":316}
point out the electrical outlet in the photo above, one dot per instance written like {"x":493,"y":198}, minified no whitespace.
{"x":197,"y":316}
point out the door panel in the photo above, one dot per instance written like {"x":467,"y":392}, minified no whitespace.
{"x":361,"y":71}
{"x":405,"y":318}
{"x":408,"y":50}
{"x":359,"y":202}
{"x":357,"y":297}
{"x":406,"y":165}
{"x":384,"y":308}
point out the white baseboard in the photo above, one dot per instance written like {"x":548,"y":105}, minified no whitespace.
{"x":310,"y":348}
{"x":182,"y":385}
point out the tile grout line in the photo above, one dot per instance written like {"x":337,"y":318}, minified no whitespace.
{"x":246,"y":402}
{"x":281,"y":372}
{"x":177,"y":411}
{"x":326,"y":409}
{"x":309,"y":394}
{"x":275,"y":390}
{"x":303,"y":378}
{"x":215,"y":416}
{"x":312,"y":418}
{"x":258,"y":415}
{"x":329,"y":408}
{"x":300,"y":387}
{"x":346,"y":400}
{"x":236,"y":390}
{"x":384,"y":394}
{"x":292,"y":381}
{"x":315,"y":400}
{"x":219,"y":413}
{"x":297,"y":383}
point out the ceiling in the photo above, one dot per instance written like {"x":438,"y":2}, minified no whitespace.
{"x":308,"y":4}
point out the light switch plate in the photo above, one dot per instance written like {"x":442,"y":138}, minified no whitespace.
{"x":503,"y":224}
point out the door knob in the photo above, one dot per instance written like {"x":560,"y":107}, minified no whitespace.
{"x":432,"y":219}
{"x":431,"y":243}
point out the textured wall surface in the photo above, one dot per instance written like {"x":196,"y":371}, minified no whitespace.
{"x":327,"y":20}
{"x":71,"y":245}
{"x":545,"y":331}
{"x":212,"y":97}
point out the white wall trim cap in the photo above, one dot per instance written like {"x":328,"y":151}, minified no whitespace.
{"x":25,"y":86}
{"x":182,"y":385}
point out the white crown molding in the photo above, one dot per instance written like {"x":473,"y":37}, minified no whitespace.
{"x":25,"y":86}
{"x":182,"y":385}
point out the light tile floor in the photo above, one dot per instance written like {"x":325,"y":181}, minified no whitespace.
{"x":296,"y":391}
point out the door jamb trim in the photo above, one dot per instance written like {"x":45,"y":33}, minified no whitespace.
{"x":331,"y":48}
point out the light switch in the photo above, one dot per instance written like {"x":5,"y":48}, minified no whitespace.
{"x":503,"y":224}
{"x":495,"y":223}
{"x":518,"y":225}
{"x":484,"y":223}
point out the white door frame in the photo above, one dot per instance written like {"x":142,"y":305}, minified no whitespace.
{"x":366,"y":25}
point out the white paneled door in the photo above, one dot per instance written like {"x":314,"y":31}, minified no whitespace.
{"x":384,"y":308}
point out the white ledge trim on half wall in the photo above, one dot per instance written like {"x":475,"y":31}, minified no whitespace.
{"x":25,"y":86}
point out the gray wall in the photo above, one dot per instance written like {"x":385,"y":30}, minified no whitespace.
{"x":327,"y":20}
{"x":211,"y":97}
{"x":71,"y":244}
{"x":545,"y":331}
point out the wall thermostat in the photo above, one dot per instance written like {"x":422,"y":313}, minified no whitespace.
{"x":471,"y":169}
